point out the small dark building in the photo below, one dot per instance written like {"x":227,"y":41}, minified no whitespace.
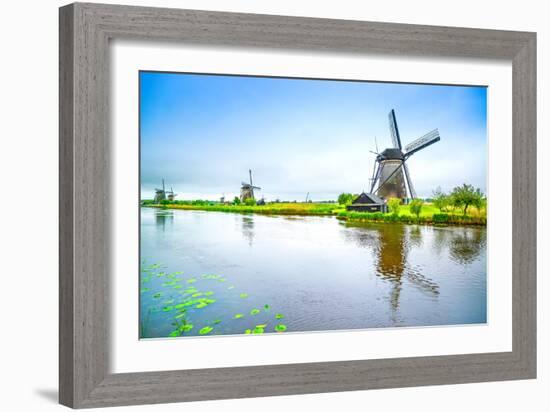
{"x":367,"y":202}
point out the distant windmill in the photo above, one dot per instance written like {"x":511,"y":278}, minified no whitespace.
{"x":160,"y":194}
{"x":171,"y":195}
{"x":163,"y":194}
{"x":391,"y":177}
{"x":247,"y":189}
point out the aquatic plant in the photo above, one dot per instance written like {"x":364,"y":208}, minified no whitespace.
{"x":181,"y":303}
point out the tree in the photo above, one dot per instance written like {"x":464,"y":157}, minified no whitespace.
{"x":394,"y":205}
{"x":440,"y":199}
{"x":345,"y":198}
{"x":465,"y":196}
{"x":236,"y":201}
{"x":416,"y":206}
{"x":250,"y":201}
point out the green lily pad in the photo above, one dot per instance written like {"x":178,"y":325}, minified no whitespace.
{"x":209,"y":293}
{"x":157,"y":295}
{"x":205,"y":330}
{"x":248,"y":331}
{"x":167,"y":308}
{"x":257,"y":330}
{"x":187,"y":327}
{"x":266,"y":306}
{"x":196,"y":295}
{"x":143,"y":290}
{"x":216,"y":321}
{"x":238,"y":316}
{"x":174,"y":333}
{"x":280,"y":327}
{"x":263,"y":326}
{"x":254,"y":311}
{"x":243,"y":295}
{"x":279,"y":316}
{"x":192,"y":280}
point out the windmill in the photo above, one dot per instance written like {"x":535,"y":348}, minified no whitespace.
{"x":391,"y":177}
{"x":160,"y":194}
{"x":171,"y":195}
{"x":163,"y":194}
{"x":247,"y":189}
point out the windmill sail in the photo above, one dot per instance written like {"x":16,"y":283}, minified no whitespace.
{"x":422,"y":142}
{"x":412,"y":192}
{"x":395,"y":138}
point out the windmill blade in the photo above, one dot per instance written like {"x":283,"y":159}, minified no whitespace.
{"x":375,"y":178}
{"x":409,"y":181}
{"x":422,"y":142}
{"x":255,"y":187}
{"x":394,"y":130}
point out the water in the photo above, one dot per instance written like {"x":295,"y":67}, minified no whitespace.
{"x":320,"y":273}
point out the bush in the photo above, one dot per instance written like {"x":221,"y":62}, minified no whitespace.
{"x":394,"y":205}
{"x":236,"y":201}
{"x":440,"y":218}
{"x":416,"y":206}
{"x":250,"y":202}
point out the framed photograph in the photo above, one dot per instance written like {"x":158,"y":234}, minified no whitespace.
{"x":257,"y":205}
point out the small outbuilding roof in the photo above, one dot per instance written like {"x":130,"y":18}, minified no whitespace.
{"x":368,"y":199}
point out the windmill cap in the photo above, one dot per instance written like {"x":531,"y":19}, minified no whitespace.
{"x":391,"y":154}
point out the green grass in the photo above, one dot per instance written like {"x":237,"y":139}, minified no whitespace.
{"x":316,"y":209}
{"x":428,"y":215}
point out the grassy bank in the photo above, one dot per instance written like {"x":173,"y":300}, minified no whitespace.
{"x":423,"y":218}
{"x":302,"y":209}
{"x":428,"y":215}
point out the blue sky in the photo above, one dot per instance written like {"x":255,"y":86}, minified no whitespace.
{"x":202,"y":133}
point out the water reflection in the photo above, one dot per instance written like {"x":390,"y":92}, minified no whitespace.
{"x":163,"y":218}
{"x":247,"y":228}
{"x":466,"y":245}
{"x":390,"y":245}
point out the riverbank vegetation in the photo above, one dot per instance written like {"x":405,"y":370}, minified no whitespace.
{"x":464,"y":205}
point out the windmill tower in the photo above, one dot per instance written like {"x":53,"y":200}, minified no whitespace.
{"x":391,"y":177}
{"x":247,"y":189}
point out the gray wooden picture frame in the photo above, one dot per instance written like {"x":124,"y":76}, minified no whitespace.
{"x":85,"y":32}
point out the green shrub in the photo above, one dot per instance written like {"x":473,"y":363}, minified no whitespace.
{"x":416,"y":206}
{"x":250,"y":202}
{"x":440,"y":218}
{"x":394,"y":205}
